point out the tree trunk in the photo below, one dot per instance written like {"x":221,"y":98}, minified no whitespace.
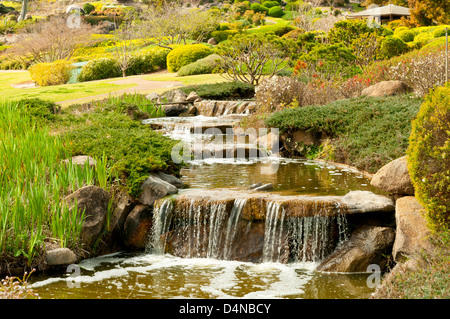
{"x":124,"y":73}
{"x":23,"y":12}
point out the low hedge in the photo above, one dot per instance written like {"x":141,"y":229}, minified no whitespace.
{"x":147,"y":61}
{"x":222,"y":91}
{"x":220,"y":36}
{"x":102,"y":68}
{"x":52,"y":73}
{"x":186,"y":54}
{"x":203,"y":66}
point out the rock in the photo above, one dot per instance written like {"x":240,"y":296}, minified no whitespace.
{"x":175,"y":181}
{"x":81,"y":160}
{"x":265,"y":187}
{"x":212,"y":41}
{"x":253,"y":186}
{"x":154,"y":188}
{"x":192,"y":97}
{"x":192,"y":110}
{"x":137,"y":227}
{"x":106,"y":26}
{"x":269,"y":142}
{"x":412,"y":231}
{"x":394,"y":178}
{"x":60,"y":256}
{"x":175,"y":96}
{"x":365,"y":201}
{"x":384,"y":88}
{"x":366,"y":246}
{"x":221,"y":108}
{"x":174,"y":109}
{"x":154,"y":97}
{"x":94,"y":201}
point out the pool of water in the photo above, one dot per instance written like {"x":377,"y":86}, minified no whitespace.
{"x":150,"y":276}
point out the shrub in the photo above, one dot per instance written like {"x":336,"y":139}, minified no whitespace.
{"x":98,"y":69}
{"x":203,"y":66}
{"x":428,"y":157}
{"x":440,"y":32}
{"x":276,"y":12}
{"x":364,"y":132}
{"x":186,"y":54}
{"x":146,"y":61}
{"x":406,"y":35}
{"x":88,"y":8}
{"x":270,"y":4}
{"x":38,"y":108}
{"x":53,"y":73}
{"x":221,"y":91}
{"x":258,"y":8}
{"x":220,"y":36}
{"x":392,"y":46}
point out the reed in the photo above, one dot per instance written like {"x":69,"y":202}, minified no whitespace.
{"x":33,"y":182}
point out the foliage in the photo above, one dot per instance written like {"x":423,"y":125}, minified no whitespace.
{"x":429,"y":12}
{"x":405,"y":35}
{"x":34,"y":182}
{"x":220,"y":35}
{"x":428,"y":162}
{"x":221,"y":91}
{"x":419,"y":69}
{"x":133,"y":150}
{"x":53,"y":73}
{"x":148,"y":60}
{"x":88,"y":8}
{"x":17,"y":288}
{"x":186,"y":54}
{"x":329,"y":61}
{"x":392,"y":46}
{"x":364,"y":132}
{"x":249,"y":57}
{"x":41,"y":110}
{"x":98,"y":69}
{"x":202,"y":66}
{"x":277,"y":29}
{"x":275,"y":11}
{"x":259,"y":8}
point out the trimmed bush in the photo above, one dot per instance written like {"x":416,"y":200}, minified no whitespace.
{"x":88,"y":8}
{"x":270,"y":4}
{"x":203,"y":66}
{"x":428,"y":157}
{"x":406,"y":35}
{"x":53,"y":73}
{"x":99,"y":69}
{"x":186,"y":54}
{"x":220,"y":36}
{"x":221,"y":91}
{"x":258,"y":8}
{"x":147,"y":61}
{"x":276,"y":12}
{"x":392,"y":46}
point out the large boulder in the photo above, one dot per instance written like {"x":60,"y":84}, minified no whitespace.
{"x":412,"y":231}
{"x":394,"y":178}
{"x":386,"y":88}
{"x":137,"y":227}
{"x":94,"y":201}
{"x":154,"y":188}
{"x":367,"y":245}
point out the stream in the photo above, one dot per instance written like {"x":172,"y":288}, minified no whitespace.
{"x":156,"y":274}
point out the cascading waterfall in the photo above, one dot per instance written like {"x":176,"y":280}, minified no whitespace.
{"x":205,"y":228}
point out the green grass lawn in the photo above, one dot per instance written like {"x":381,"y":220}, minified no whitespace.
{"x":54,"y":93}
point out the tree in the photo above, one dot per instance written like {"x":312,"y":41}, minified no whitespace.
{"x":249,"y":57}
{"x":169,"y":24}
{"x":429,"y":12}
{"x":123,"y":47}
{"x":50,"y":41}
{"x":23,"y":11}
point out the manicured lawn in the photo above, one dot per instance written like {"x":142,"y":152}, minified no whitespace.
{"x":54,"y":93}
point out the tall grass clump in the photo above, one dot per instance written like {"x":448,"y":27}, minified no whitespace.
{"x":33,"y":183}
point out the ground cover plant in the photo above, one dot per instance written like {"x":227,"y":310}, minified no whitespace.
{"x":363,"y":132}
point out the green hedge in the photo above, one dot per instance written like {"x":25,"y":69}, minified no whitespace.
{"x":203,"y":66}
{"x":186,"y":54}
{"x":221,"y":91}
{"x":147,"y":61}
{"x":429,"y":158}
{"x":220,"y":36}
{"x":103,"y":68}
{"x":276,"y":12}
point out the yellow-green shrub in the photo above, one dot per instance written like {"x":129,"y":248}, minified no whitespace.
{"x":429,"y":157}
{"x":52,"y":73}
{"x":186,"y":54}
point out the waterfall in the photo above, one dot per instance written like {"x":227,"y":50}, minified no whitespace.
{"x":199,"y":228}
